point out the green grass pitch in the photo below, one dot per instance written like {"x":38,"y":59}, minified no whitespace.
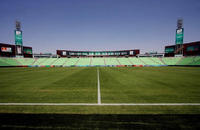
{"x":117,"y":84}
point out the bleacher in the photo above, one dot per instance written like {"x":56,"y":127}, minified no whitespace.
{"x":99,"y":61}
{"x":3,"y":62}
{"x":9,"y":62}
{"x":136,"y":61}
{"x":73,"y":61}
{"x":39,"y":61}
{"x":196,"y":61}
{"x":171,"y":60}
{"x":158,"y":61}
{"x":124,"y":61}
{"x":112,"y":61}
{"x":185,"y":61}
{"x":25,"y":61}
{"x":60,"y":61}
{"x":48,"y":61}
{"x":149,"y":61}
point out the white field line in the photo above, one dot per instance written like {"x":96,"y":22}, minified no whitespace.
{"x":97,"y":104}
{"x":98,"y":87}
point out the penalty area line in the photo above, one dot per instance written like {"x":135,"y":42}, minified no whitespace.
{"x":97,"y":104}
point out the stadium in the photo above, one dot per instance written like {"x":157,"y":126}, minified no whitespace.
{"x":99,"y":64}
{"x":100,"y":82}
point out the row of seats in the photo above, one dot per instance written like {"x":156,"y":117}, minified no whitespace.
{"x":171,"y":60}
{"x":101,"y":61}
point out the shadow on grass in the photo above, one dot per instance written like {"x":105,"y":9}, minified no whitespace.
{"x":101,"y":121}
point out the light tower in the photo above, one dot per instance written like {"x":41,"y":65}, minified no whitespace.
{"x":179,"y":38}
{"x":18,"y":40}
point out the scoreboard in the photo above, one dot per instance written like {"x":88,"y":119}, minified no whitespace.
{"x":6,"y":49}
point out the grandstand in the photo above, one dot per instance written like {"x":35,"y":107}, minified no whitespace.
{"x":103,"y":61}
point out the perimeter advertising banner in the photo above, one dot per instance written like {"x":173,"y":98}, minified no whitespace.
{"x":179,"y":36}
{"x":169,"y":50}
{"x":19,"y":50}
{"x":6,"y":49}
{"x":18,"y":37}
{"x":27,"y":51}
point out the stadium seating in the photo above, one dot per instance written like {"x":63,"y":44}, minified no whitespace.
{"x":171,"y":60}
{"x":112,"y":61}
{"x":48,"y":61}
{"x":99,"y":61}
{"x":60,"y":61}
{"x":196,"y":61}
{"x":149,"y":61}
{"x":3,"y":63}
{"x":158,"y":61}
{"x":186,"y":61}
{"x":136,"y":61}
{"x":39,"y":61}
{"x":124,"y":61}
{"x":9,"y":62}
{"x":25,"y":61}
{"x":73,"y":61}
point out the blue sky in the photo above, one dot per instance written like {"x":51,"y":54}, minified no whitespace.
{"x":147,"y":25}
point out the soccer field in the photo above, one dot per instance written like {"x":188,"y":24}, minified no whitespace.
{"x":103,"y":90}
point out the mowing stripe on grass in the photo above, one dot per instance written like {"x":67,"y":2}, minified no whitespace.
{"x":98,"y":87}
{"x":102,"y":104}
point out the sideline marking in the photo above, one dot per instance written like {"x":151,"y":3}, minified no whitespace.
{"x":102,"y":104}
{"x":98,"y":87}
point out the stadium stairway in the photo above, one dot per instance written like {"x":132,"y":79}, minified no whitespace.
{"x":150,"y":61}
{"x":143,"y":63}
{"x":39,"y":61}
{"x":180,"y":59}
{"x":124,"y":61}
{"x":118,"y":61}
{"x":104,"y":61}
{"x":54,"y":61}
{"x":71,"y":61}
{"x":188,"y":61}
{"x":171,"y":60}
{"x":130,"y":61}
{"x":91,"y":61}
{"x":162,"y":61}
{"x":83,"y":62}
{"x":136,"y":61}
{"x":196,"y":61}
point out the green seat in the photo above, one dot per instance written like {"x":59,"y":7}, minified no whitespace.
{"x":72,"y":61}
{"x":111,"y":61}
{"x":124,"y":61}
{"x":97,"y":61}
{"x":60,"y":61}
{"x":136,"y":61}
{"x":171,"y":60}
{"x":83,"y":61}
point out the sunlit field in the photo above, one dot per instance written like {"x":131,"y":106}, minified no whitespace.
{"x":118,"y":85}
